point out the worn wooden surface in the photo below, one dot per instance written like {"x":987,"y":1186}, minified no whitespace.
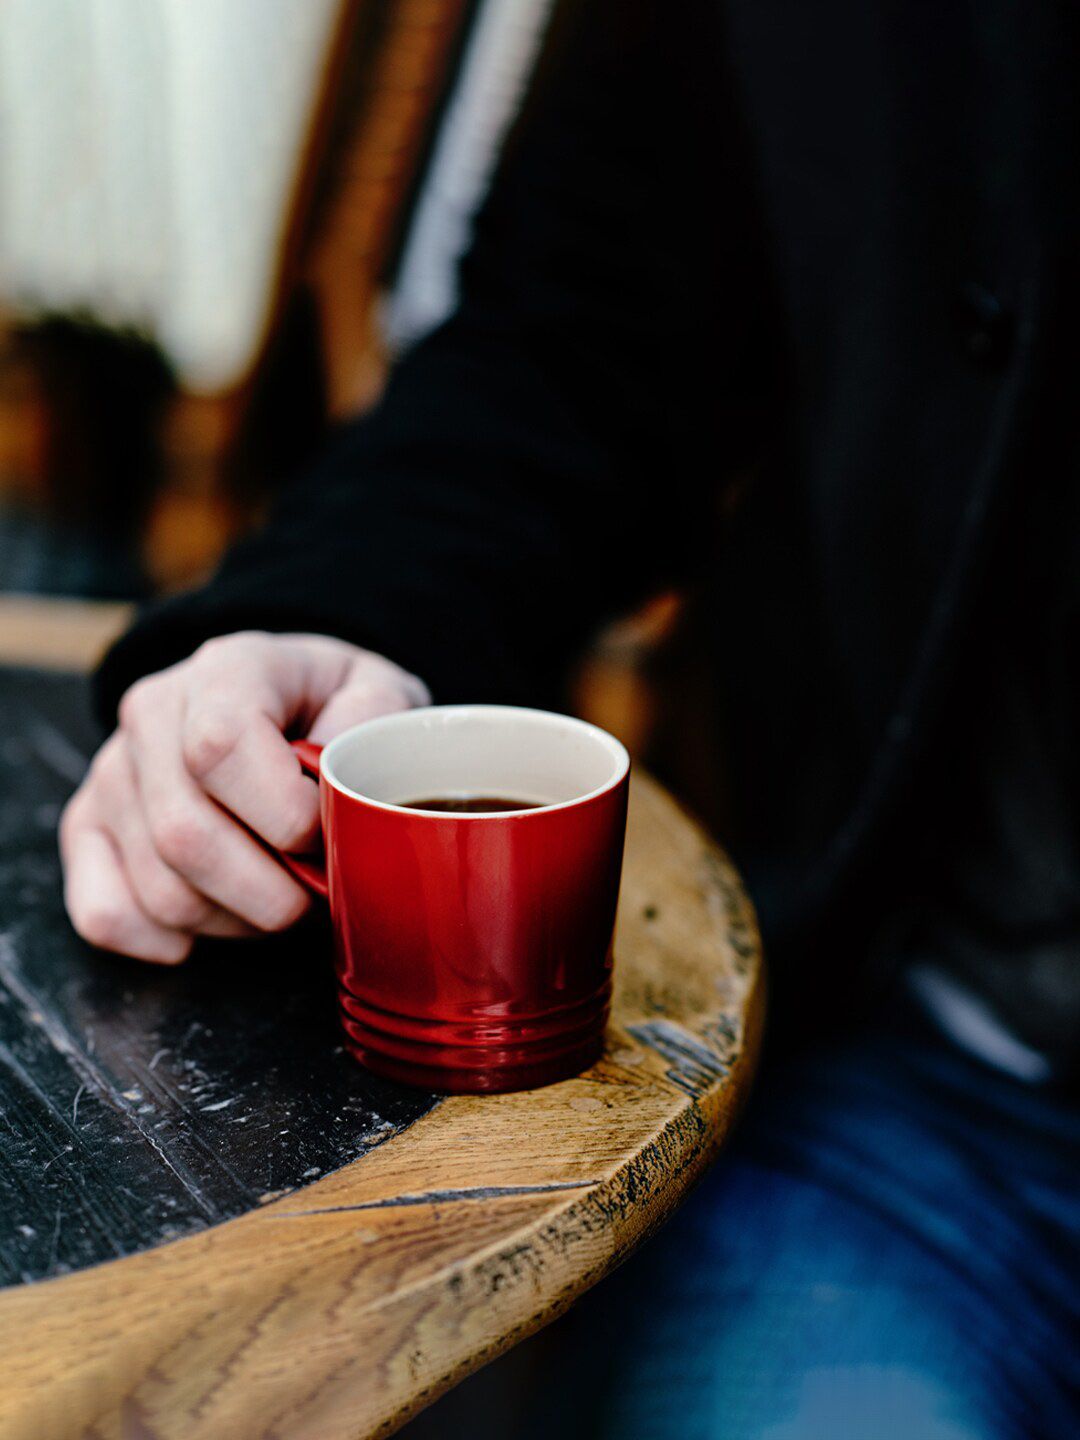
{"x":58,"y":634}
{"x":344,"y":1305}
{"x":139,"y":1104}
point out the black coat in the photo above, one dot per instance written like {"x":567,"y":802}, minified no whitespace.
{"x":823,"y":250}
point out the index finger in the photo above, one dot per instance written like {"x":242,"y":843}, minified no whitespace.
{"x":245,"y":763}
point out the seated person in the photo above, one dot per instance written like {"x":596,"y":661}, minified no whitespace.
{"x":776,"y":302}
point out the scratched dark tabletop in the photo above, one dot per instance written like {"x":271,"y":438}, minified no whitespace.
{"x":322,"y":1282}
{"x":139,"y":1104}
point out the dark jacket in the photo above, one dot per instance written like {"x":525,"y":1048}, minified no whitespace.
{"x":821,"y":250}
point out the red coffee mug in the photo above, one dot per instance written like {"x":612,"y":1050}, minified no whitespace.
{"x":473,"y":949}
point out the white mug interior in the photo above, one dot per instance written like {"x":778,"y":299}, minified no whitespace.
{"x":463,"y":751}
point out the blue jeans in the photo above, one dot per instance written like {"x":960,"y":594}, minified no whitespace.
{"x":890,"y":1250}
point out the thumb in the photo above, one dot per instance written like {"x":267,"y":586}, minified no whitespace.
{"x":372,"y":692}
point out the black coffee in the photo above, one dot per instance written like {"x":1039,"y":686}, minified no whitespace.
{"x":470,"y":804}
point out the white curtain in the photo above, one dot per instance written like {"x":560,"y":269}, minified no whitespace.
{"x":148,"y":152}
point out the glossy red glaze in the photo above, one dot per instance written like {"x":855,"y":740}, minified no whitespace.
{"x":308,"y":871}
{"x":473,"y":952}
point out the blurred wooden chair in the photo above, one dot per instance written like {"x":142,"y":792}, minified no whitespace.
{"x":228,"y":181}
{"x":183,"y":171}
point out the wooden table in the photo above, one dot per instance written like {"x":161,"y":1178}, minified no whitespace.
{"x":214,"y":1223}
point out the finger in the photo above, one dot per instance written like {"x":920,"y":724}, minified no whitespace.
{"x":363,"y":698}
{"x":214,"y":922}
{"x":197,"y":839}
{"x":103,"y":908}
{"x":287,"y":677}
{"x":243,"y":761}
{"x":243,"y":693}
{"x":161,"y":893}
{"x":247,"y":695}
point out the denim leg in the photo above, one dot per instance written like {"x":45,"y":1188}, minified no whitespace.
{"x":779,"y":1311}
{"x":889,"y":1250}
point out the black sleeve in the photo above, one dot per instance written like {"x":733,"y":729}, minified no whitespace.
{"x":550,"y":455}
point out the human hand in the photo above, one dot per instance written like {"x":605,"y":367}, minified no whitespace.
{"x":154,"y":845}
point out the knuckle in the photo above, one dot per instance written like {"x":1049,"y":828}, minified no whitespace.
{"x":210,"y":736}
{"x":174,"y":905}
{"x":103,"y":779}
{"x":182,"y":839}
{"x":101,"y":924}
{"x":104,"y":761}
{"x":137,"y":702}
{"x":215,"y":646}
{"x":228,"y":648}
{"x":70,"y":817}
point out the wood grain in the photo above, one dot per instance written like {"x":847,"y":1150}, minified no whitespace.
{"x":369,"y":187}
{"x":143,"y":1103}
{"x":346,"y":1306}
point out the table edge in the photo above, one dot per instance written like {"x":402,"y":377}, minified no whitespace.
{"x":573,"y":1233}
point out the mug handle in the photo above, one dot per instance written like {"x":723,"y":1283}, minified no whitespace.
{"x":310,"y":872}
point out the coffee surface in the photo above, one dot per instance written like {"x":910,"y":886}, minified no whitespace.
{"x":470,"y":804}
